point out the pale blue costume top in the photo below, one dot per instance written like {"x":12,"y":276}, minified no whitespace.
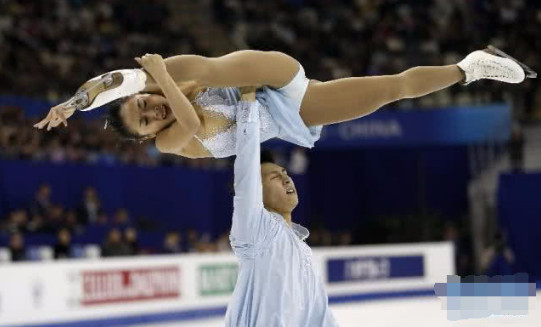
{"x":279,"y":115}
{"x":277,"y":284}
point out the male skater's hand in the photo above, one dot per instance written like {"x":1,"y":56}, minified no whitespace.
{"x":248,"y":93}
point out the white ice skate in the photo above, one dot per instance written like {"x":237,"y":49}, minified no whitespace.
{"x":108,"y":87}
{"x":494,"y":64}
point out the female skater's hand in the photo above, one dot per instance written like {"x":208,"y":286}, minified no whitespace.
{"x":153,"y":64}
{"x":56,"y":116}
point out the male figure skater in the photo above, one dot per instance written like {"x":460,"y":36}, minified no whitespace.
{"x":277,"y":285}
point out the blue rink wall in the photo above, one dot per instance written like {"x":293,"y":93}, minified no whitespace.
{"x":519,"y":213}
{"x":180,"y":197}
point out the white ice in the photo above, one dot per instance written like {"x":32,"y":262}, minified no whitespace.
{"x":414,"y":312}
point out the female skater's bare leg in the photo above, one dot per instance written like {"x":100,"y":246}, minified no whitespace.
{"x":349,"y":98}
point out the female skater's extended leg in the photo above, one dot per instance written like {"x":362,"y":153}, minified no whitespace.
{"x":349,"y":98}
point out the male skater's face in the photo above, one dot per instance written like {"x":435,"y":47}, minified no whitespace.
{"x":279,"y":192}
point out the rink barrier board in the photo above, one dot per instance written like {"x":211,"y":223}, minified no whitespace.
{"x":124,"y":291}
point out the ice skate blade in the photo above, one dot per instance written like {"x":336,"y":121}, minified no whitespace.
{"x":529,"y":72}
{"x":87,"y":93}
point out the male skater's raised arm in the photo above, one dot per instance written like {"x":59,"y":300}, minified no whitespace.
{"x":248,"y":200}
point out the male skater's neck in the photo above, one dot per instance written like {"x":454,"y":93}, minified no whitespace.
{"x":287,"y":216}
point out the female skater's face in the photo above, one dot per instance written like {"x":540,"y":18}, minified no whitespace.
{"x":146,"y":114}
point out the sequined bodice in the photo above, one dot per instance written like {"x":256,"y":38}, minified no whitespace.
{"x":224,"y":102}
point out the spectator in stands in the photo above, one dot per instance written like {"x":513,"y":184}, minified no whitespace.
{"x":516,"y":149}
{"x":345,"y":238}
{"x":55,"y":219}
{"x":319,"y":236}
{"x":172,"y":243}
{"x":11,"y":116}
{"x":130,"y":238}
{"x":71,"y":222}
{"x":103,"y":219}
{"x":121,"y":218}
{"x":17,"y":248}
{"x":90,"y":208}
{"x":192,"y":240}
{"x":62,"y":248}
{"x":223,"y":244}
{"x":42,"y":201}
{"x":35,"y":225}
{"x":11,"y":119}
{"x":205,"y":244}
{"x":17,"y":221}
{"x":114,"y":246}
{"x":498,"y":258}
{"x":462,"y":246}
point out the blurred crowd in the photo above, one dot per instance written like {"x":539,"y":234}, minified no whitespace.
{"x":117,"y":234}
{"x":50,"y":47}
{"x":88,"y":223}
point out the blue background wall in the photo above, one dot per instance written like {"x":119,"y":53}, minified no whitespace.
{"x":339,"y":188}
{"x":393,"y":181}
{"x":519,"y":211}
{"x":175,"y":197}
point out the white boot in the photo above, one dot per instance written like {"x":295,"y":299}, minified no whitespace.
{"x":483,"y":65}
{"x":108,"y":87}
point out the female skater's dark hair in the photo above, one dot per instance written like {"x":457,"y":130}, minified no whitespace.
{"x":114,"y":120}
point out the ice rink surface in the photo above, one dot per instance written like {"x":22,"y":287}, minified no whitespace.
{"x":414,"y":312}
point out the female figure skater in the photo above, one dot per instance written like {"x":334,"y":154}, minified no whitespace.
{"x":188,"y":103}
